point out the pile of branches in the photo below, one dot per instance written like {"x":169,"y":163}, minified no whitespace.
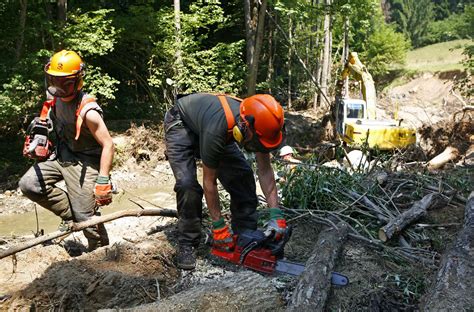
{"x":378,"y":207}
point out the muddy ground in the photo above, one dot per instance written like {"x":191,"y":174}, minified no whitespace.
{"x":138,"y":266}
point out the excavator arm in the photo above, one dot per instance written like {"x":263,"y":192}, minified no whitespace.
{"x":358,"y":70}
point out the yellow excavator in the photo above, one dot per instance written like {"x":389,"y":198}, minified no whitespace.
{"x":356,"y":120}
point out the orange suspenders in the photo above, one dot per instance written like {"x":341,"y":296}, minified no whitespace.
{"x":79,"y":119}
{"x":228,"y":112}
{"x":47,"y":105}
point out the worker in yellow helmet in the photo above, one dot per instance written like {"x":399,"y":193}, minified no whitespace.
{"x":83,"y":153}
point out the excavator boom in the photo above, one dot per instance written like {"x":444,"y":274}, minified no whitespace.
{"x":358,"y":70}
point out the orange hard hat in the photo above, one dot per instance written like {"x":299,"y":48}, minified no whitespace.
{"x":267,"y":119}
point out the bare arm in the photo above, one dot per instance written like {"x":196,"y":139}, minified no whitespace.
{"x":99,"y":130}
{"x":267,"y":179}
{"x":210,"y":192}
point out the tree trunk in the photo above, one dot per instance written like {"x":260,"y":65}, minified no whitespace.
{"x":454,"y":288}
{"x":62,"y":11}
{"x":251,"y":20}
{"x":345,"y":54}
{"x":317,"y":68}
{"x":137,"y":212}
{"x":314,"y":284}
{"x":329,"y":67}
{"x":325,"y":67}
{"x":290,"y":55}
{"x":177,"y":25}
{"x":242,"y":291}
{"x":21,"y":36}
{"x":259,"y":21}
{"x":449,"y":154}
{"x":418,"y":210}
{"x":271,"y":55}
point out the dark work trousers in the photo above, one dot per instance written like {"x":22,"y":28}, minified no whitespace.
{"x":234,"y":173}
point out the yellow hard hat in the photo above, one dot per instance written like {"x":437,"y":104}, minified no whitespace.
{"x":64,"y":73}
{"x":64,"y":63}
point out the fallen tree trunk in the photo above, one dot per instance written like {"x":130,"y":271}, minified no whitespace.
{"x":418,"y":210}
{"x":454,"y":288}
{"x":91,"y":222}
{"x":449,"y":154}
{"x":314,"y":284}
{"x":242,"y":291}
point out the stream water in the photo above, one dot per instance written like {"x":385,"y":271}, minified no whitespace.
{"x":161,"y":195}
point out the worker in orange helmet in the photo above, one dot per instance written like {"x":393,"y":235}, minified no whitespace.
{"x":83,"y":153}
{"x":211,"y":127}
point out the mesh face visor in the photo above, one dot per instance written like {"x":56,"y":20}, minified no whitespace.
{"x":62,"y":86}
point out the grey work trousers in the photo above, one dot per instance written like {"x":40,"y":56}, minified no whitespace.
{"x":77,"y":204}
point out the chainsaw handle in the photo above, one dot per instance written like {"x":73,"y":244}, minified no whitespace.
{"x":269,"y":234}
{"x":33,"y":146}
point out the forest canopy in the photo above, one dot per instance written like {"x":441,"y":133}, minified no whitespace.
{"x":140,"y":54}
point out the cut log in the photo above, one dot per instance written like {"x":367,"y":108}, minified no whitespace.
{"x":314,"y":284}
{"x":454,"y":287}
{"x":243,"y":291}
{"x":137,"y":212}
{"x":449,"y":154}
{"x":418,"y":210}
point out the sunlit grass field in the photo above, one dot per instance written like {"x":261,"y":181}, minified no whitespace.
{"x":442,"y":56}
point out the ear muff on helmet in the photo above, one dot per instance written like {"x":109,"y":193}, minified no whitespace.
{"x":240,"y":131}
{"x":237,"y":133}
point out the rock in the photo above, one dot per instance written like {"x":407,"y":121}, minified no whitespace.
{"x":8,"y":193}
{"x":357,"y":159}
{"x":333,"y":164}
{"x":382,"y":178}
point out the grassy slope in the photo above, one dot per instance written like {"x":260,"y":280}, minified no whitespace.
{"x":442,"y":56}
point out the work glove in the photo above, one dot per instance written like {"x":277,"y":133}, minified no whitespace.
{"x":222,"y":236}
{"x":103,"y":191}
{"x":277,"y":223}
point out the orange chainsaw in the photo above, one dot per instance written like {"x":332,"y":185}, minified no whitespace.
{"x":258,"y":251}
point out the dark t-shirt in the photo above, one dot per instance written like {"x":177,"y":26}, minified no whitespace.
{"x":204,"y":115}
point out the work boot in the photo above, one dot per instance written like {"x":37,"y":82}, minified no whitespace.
{"x":186,"y":258}
{"x":96,"y":237}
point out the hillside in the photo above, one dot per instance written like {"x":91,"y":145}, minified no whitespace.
{"x":444,"y":56}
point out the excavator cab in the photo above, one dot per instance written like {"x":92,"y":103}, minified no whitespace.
{"x":349,"y":111}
